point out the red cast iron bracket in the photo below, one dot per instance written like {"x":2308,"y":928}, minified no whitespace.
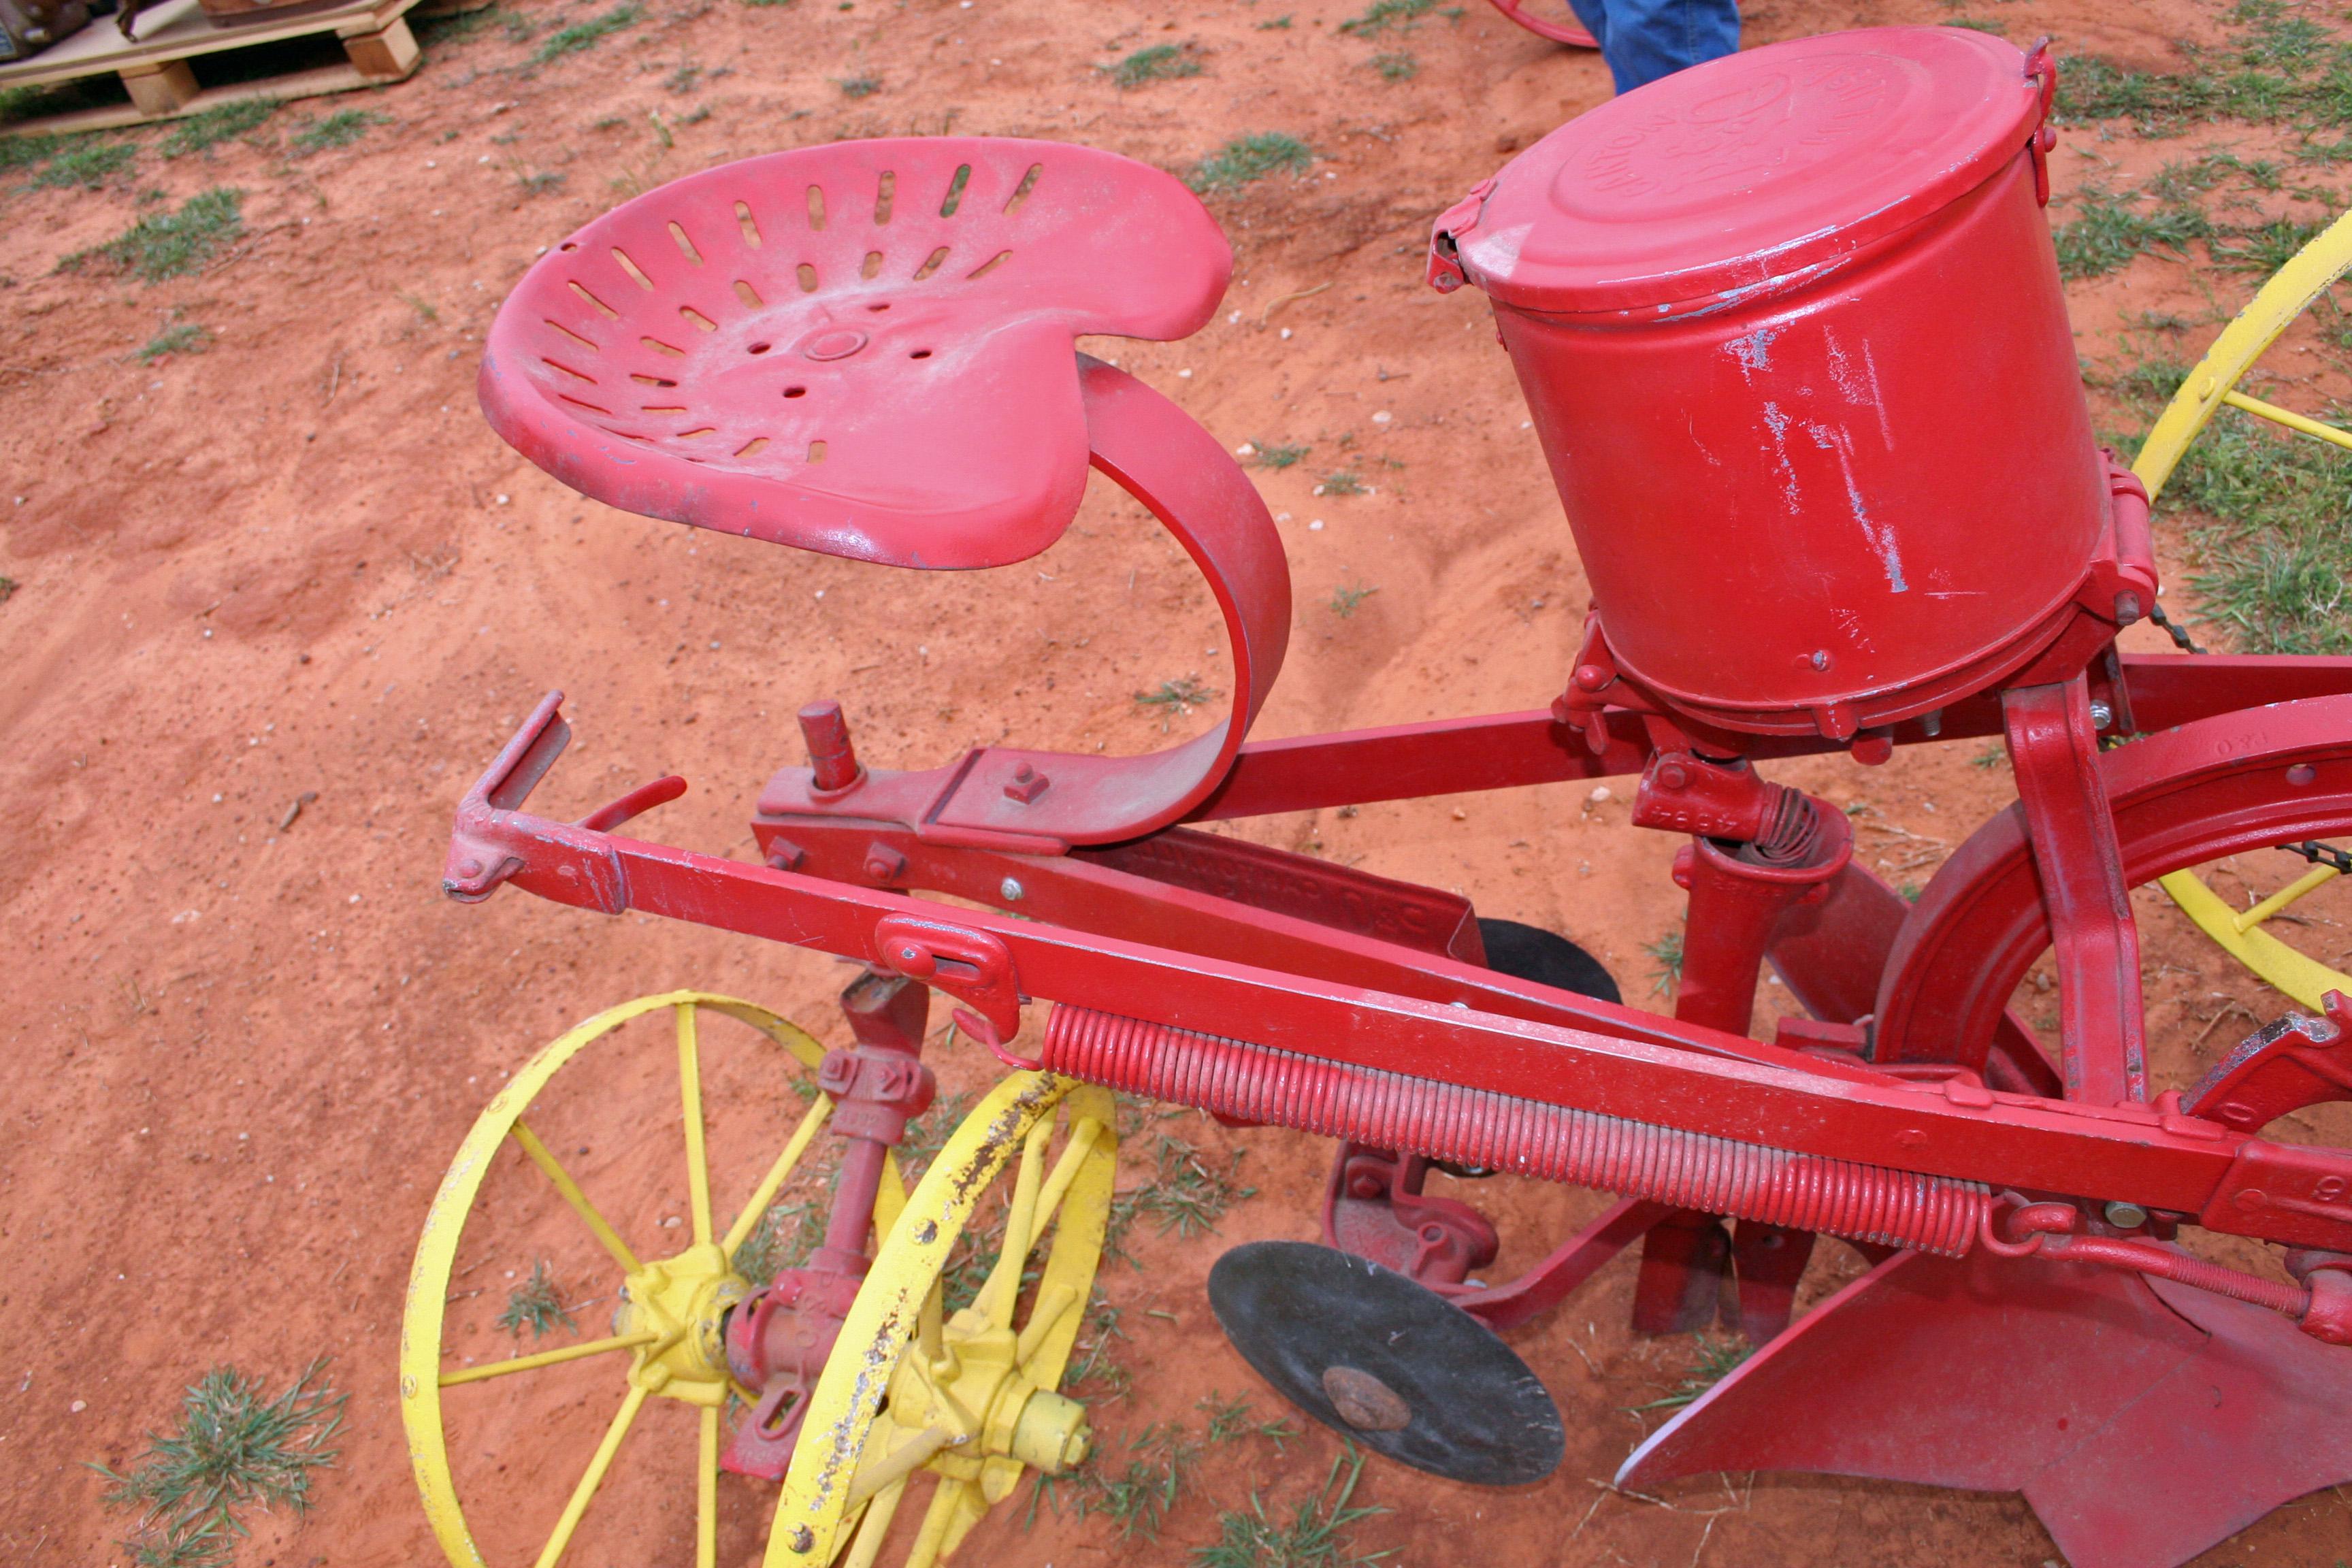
{"x":2055,"y":747}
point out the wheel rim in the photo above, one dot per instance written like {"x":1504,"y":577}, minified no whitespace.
{"x":971,"y":1397}
{"x":668,"y":1324}
{"x":2209,"y":388}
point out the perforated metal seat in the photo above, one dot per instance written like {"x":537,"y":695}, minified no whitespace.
{"x":864,"y":349}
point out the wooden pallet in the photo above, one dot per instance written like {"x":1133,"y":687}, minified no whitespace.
{"x":161,"y":71}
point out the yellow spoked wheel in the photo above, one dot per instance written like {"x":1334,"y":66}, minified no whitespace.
{"x":921,"y":1382}
{"x":2209,"y":388}
{"x":638,"y":1112}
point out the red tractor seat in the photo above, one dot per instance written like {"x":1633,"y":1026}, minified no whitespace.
{"x":865,"y":348}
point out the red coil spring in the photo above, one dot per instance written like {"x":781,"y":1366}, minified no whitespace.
{"x":1527,"y":1137}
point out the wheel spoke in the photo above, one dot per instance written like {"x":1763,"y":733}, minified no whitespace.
{"x":997,"y":1297}
{"x":538,"y":1359}
{"x":2317,"y":877}
{"x":874,"y":1528}
{"x":2288,"y":417}
{"x":883,"y":1470}
{"x":689,"y":1084}
{"x":935,"y":1521}
{"x":622,"y":1420}
{"x":706,"y":1491}
{"x":1052,"y":1302}
{"x":1043,"y":1205}
{"x":765,"y":1194}
{"x":544,"y":1158}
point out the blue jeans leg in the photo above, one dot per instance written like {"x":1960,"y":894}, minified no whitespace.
{"x":1645,"y":39}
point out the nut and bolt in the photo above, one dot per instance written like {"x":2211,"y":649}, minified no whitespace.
{"x":1821,"y":659}
{"x":1013,"y":891}
{"x":1674,"y":775}
{"x":2125,"y":1216}
{"x":2102,"y":715}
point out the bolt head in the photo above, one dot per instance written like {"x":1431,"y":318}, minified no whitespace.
{"x":1674,"y":775}
{"x":1013,"y":891}
{"x":2102,"y":715}
{"x":1821,"y":659}
{"x":2125,"y":1216}
{"x":803,"y":1539}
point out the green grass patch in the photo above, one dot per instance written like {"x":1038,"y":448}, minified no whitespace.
{"x":1137,"y":1497}
{"x":1161,"y":62}
{"x":859,"y":86}
{"x":1277,"y":454}
{"x":85,"y":164}
{"x":234,"y":1451}
{"x":184,"y":338}
{"x":1382,"y":16}
{"x":1345,"y":601}
{"x":1313,"y":1535}
{"x":1235,"y":1417}
{"x":1396,"y":66}
{"x":339,"y":128}
{"x":1341,"y":482}
{"x":24,"y":152}
{"x":1245,"y":160}
{"x":1182,"y":694}
{"x":585,"y":35}
{"x":2110,"y":228}
{"x":209,"y":127}
{"x":166,"y":245}
{"x":1184,"y":1195}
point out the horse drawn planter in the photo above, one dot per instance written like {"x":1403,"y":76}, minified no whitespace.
{"x":1792,"y":332}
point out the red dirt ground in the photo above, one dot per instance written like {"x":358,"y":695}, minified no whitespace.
{"x":299,"y":567}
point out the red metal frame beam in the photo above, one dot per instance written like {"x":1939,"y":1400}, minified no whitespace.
{"x":1507,"y":750}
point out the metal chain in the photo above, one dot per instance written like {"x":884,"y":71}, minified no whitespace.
{"x":2322,"y":855}
{"x":2173,"y":629}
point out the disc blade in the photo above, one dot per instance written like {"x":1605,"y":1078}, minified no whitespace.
{"x":1386,"y":1361}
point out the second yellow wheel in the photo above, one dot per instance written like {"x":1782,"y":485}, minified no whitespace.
{"x":2209,"y":388}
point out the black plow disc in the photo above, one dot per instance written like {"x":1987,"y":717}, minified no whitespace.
{"x":1386,"y":1361}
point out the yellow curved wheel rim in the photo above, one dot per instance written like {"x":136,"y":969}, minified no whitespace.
{"x":655,"y":1358}
{"x":2208,"y":389}
{"x":855,"y":1459}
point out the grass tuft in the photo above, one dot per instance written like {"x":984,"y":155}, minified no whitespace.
{"x":166,"y":245}
{"x":1184,"y":1194}
{"x":209,"y":127}
{"x":1382,"y":16}
{"x":1717,"y":1358}
{"x":1234,"y":1418}
{"x":1341,"y":482}
{"x":1245,"y":160}
{"x":1161,"y":62}
{"x":185,"y":338}
{"x":234,"y":1450}
{"x":1666,"y":960}
{"x":535,"y":1305}
{"x":339,"y":128}
{"x":1138,"y":1499}
{"x":1278,"y":455}
{"x":1313,"y":1536}
{"x":2109,"y":230}
{"x":585,"y":35}
{"x":1397,"y":66}
{"x":86,"y":164}
{"x":1180,"y":695}
{"x":1345,"y":601}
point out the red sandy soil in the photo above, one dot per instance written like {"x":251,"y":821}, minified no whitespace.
{"x":243,"y":1045}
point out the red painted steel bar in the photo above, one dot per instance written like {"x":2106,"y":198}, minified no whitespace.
{"x":2148,"y":1156}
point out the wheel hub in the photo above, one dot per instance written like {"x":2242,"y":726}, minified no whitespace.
{"x":682,"y":1301}
{"x":977,"y":1403}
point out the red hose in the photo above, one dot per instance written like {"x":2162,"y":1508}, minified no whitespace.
{"x":1501,"y":1132}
